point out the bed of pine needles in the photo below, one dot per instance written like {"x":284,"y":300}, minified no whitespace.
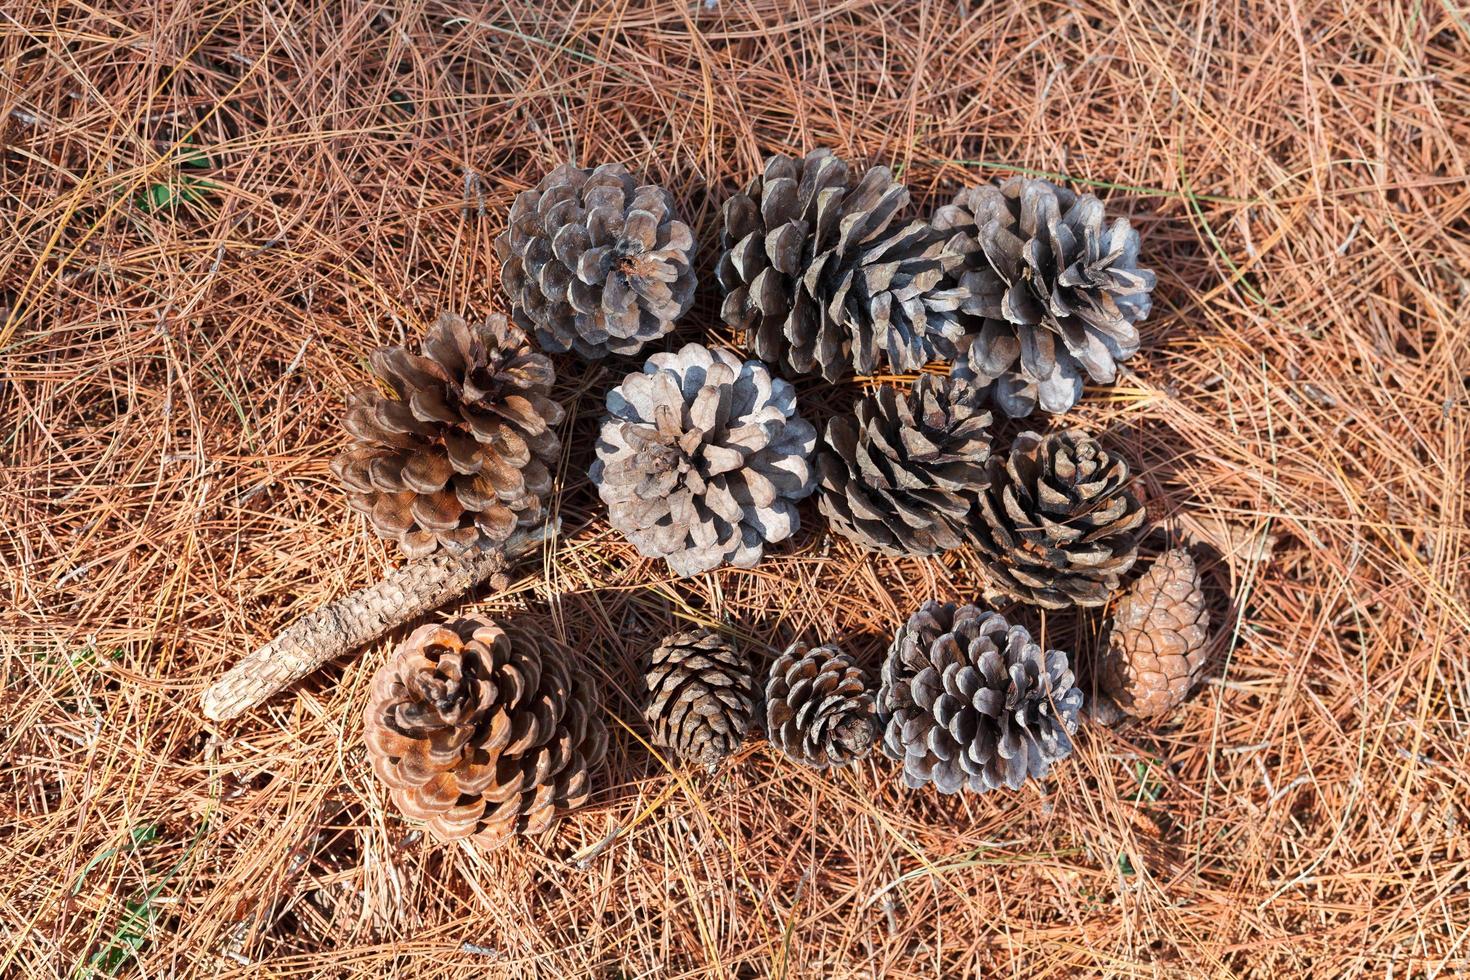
{"x":211,"y":211}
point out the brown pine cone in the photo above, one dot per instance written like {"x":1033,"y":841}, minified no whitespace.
{"x":819,"y":707}
{"x":1060,"y":524}
{"x":1156,"y":650}
{"x":461,"y":453}
{"x":483,"y":732}
{"x":701,"y":696}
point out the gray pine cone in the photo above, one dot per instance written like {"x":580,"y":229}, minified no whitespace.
{"x":1051,"y":290}
{"x":903,"y":474}
{"x":818,"y":281}
{"x":1060,"y":524}
{"x":819,"y":707}
{"x":969,"y":701}
{"x":701,"y":696}
{"x":595,"y":263}
{"x":702,"y":458}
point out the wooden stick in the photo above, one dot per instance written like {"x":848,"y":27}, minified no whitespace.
{"x":355,"y":620}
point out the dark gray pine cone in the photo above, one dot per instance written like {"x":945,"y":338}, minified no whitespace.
{"x":820,"y":283}
{"x":904,"y":473}
{"x":1060,"y":524}
{"x":701,"y":696}
{"x":596,"y":263}
{"x":819,"y":707}
{"x":1052,"y":291}
{"x":970,"y":702}
{"x":461,"y":453}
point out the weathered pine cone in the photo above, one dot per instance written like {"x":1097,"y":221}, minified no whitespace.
{"x":701,"y":696}
{"x":903,"y":475}
{"x":482,"y":731}
{"x":970,"y":702}
{"x":1060,"y":524}
{"x":595,"y":263}
{"x":461,"y":453}
{"x":1051,"y":290}
{"x":702,"y":459}
{"x":819,"y":707}
{"x":1156,"y":648}
{"x":819,"y":282}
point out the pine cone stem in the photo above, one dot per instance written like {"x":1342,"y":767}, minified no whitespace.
{"x":344,"y":625}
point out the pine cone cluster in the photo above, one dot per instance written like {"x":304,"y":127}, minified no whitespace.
{"x":596,"y":263}
{"x":702,"y":458}
{"x":483,"y":732}
{"x":821,"y":282}
{"x":904,"y":473}
{"x":970,"y":702}
{"x":701,"y":696}
{"x":461,"y":452}
{"x":819,"y":708}
{"x":1059,"y":525}
{"x":1156,"y":648}
{"x":1051,"y":291}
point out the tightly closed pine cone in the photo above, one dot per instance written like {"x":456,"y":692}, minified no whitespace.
{"x":1051,"y":291}
{"x":595,"y":263}
{"x":702,"y":459}
{"x":819,"y":708}
{"x":1156,"y":649}
{"x":483,"y":732}
{"x":701,"y":696}
{"x":970,"y":702}
{"x":818,"y":281}
{"x":1059,"y":525}
{"x":904,"y":474}
{"x":460,"y":453}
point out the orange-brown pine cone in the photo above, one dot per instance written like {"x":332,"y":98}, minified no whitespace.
{"x":482,"y":731}
{"x":1156,"y":650}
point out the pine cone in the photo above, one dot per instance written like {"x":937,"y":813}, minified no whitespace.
{"x":595,"y":263}
{"x":1059,"y":525}
{"x":904,"y":474}
{"x":1051,"y":290}
{"x":1156,"y":649}
{"x":813,"y":275}
{"x":483,"y":732}
{"x":970,"y":702}
{"x":700,"y":697}
{"x":460,"y":454}
{"x":819,"y":708}
{"x":702,"y":459}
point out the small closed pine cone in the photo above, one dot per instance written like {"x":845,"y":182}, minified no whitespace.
{"x":461,"y":453}
{"x":819,"y":282}
{"x":1052,"y":292}
{"x":484,"y":732}
{"x":819,"y":707}
{"x":1156,"y":649}
{"x":970,"y":702}
{"x":903,"y":475}
{"x":702,"y":458}
{"x":596,"y":263}
{"x":1060,"y":524}
{"x":701,"y":696}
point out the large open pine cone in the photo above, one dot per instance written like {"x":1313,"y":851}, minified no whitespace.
{"x":969,"y":701}
{"x":1060,"y":524}
{"x":819,"y":707}
{"x":818,"y":281}
{"x":1051,"y":290}
{"x":461,"y":452}
{"x":483,"y":732}
{"x":595,"y":263}
{"x":701,"y":696}
{"x":903,"y":474}
{"x":1156,"y":649}
{"x":702,"y":459}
